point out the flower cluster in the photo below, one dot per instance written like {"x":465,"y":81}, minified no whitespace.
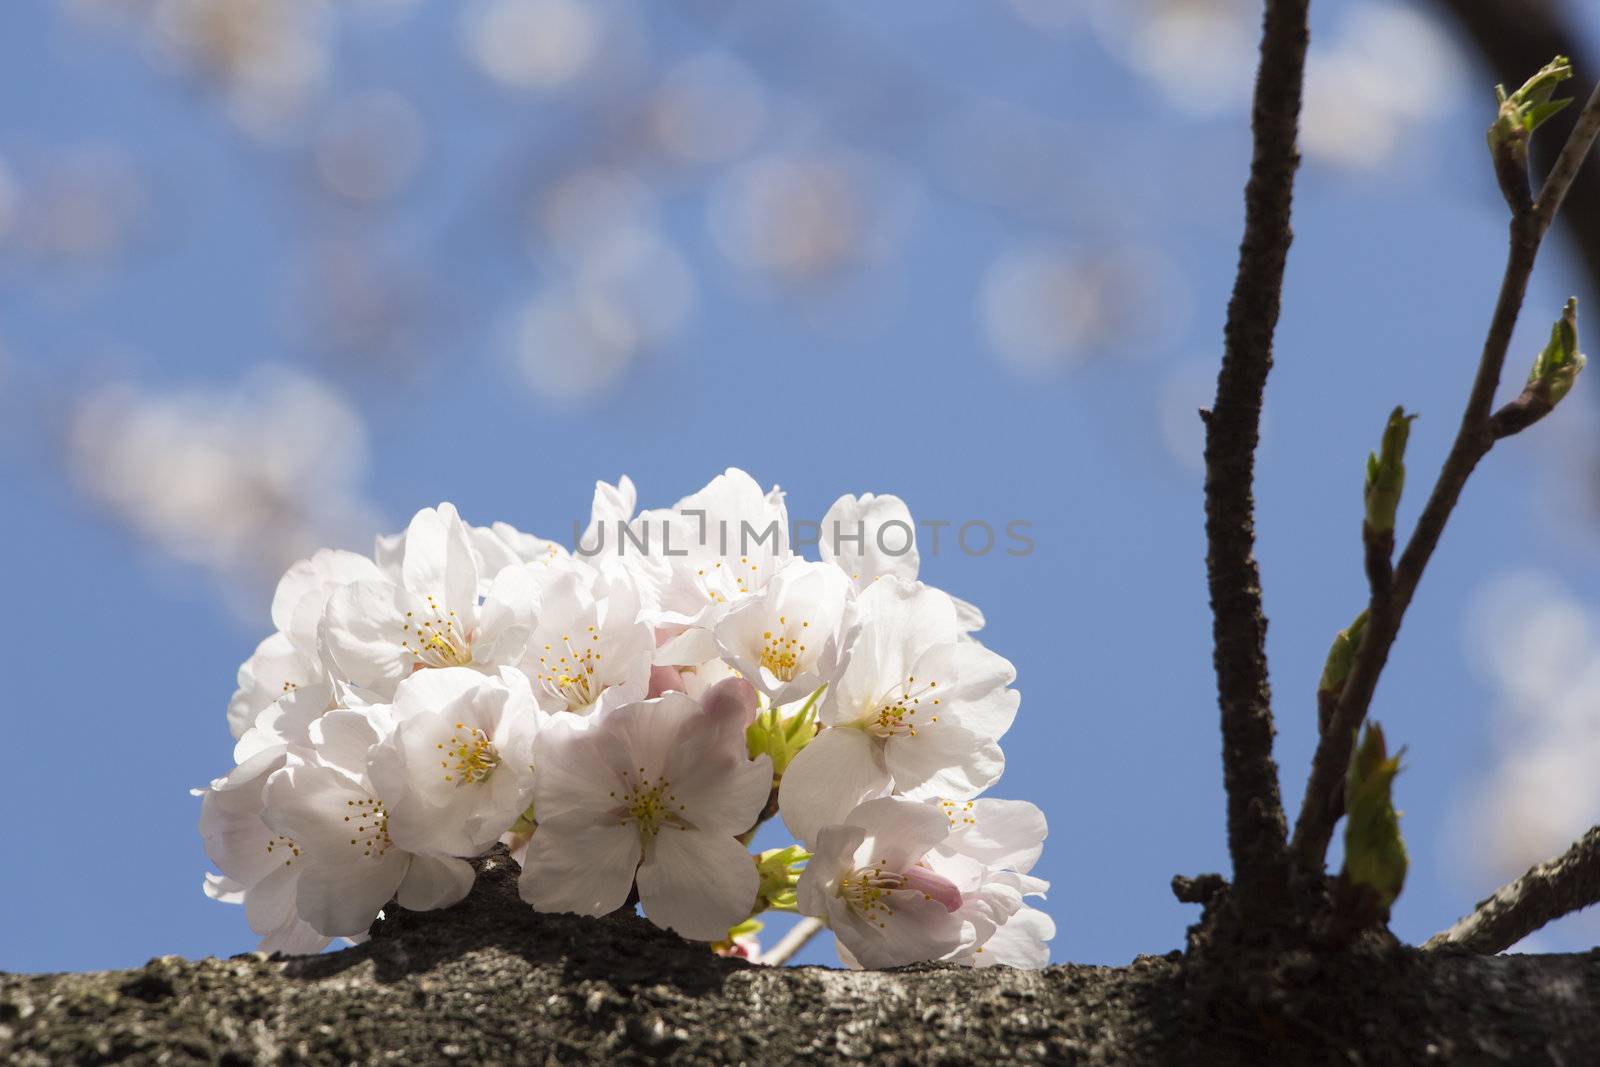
{"x":625,"y":715}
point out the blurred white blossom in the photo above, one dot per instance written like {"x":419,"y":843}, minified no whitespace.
{"x":804,"y":217}
{"x":268,"y":58}
{"x":577,"y":339}
{"x":585,"y":208}
{"x":709,"y":109}
{"x":532,"y":44}
{"x":242,"y":481}
{"x":1388,"y":72}
{"x":361,"y":307}
{"x":620,"y":290}
{"x":1200,"y":53}
{"x":77,"y":206}
{"x":1373,"y":82}
{"x":369,"y":146}
{"x":1045,"y":307}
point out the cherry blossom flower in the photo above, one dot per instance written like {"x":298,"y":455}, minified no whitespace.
{"x":377,"y":631}
{"x":613,"y":505}
{"x":917,"y":711}
{"x":458,"y":769}
{"x":624,"y":716}
{"x":339,"y":826}
{"x":259,"y":866}
{"x":494,"y":548}
{"x":502,"y":545}
{"x":290,"y":658}
{"x":590,"y":648}
{"x":714,"y":548}
{"x":1022,"y":941}
{"x":655,"y":793}
{"x":790,"y":638}
{"x":286,"y":722}
{"x":992,"y":847}
{"x":867,"y":878}
{"x":870,"y":537}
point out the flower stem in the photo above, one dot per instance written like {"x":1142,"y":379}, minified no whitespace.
{"x":792,"y":942}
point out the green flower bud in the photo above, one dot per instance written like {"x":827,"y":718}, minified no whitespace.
{"x":1342,"y":655}
{"x":1557,"y":366}
{"x":779,"y":870}
{"x":1386,"y":472}
{"x":1374,"y":853}
{"x":1531,"y":106}
{"x":1519,"y":114}
{"x":783,"y":738}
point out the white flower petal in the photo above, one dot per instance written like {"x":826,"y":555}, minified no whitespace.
{"x":899,"y":832}
{"x":832,"y":856}
{"x":943,"y":761}
{"x":697,"y":883}
{"x":839,"y":768}
{"x":434,"y":882}
{"x":277,"y":666}
{"x":309,"y":805}
{"x":574,"y":772}
{"x":342,"y":898}
{"x":506,"y":617}
{"x":585,"y":869}
{"x":969,"y":620}
{"x":303,"y":591}
{"x":1021,"y":942}
{"x":1005,"y":833}
{"x":364,"y":635}
{"x":914,"y":930}
{"x":269,"y":904}
{"x":294,"y":938}
{"x":222,"y":888}
{"x":344,"y":738}
{"x":434,"y":690}
{"x":870,"y":537}
{"x":694,"y":645}
{"x":972,"y":686}
{"x":439,"y":561}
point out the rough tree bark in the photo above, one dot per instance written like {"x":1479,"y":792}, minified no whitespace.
{"x":1257,"y":834}
{"x":491,"y":981}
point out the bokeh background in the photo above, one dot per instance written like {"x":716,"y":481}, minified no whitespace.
{"x":276,"y":273}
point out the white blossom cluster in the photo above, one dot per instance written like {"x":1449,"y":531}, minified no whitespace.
{"x":624,"y":715}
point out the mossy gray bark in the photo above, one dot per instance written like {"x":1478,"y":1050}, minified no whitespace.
{"x":492,"y":982}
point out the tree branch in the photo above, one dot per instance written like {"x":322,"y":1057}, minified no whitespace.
{"x":1517,"y":37}
{"x":792,"y":942}
{"x":1256,"y":830}
{"x":1474,"y":438}
{"x":1580,"y":142}
{"x":1546,"y":893}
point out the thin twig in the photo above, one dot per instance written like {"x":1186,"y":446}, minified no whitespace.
{"x":1517,"y":37}
{"x":1543,"y":895}
{"x":1474,"y":439}
{"x":1319,"y":808}
{"x":1569,"y":162}
{"x":1256,"y":830}
{"x":792,"y":942}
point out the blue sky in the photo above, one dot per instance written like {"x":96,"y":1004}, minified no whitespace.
{"x":122,"y":659}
